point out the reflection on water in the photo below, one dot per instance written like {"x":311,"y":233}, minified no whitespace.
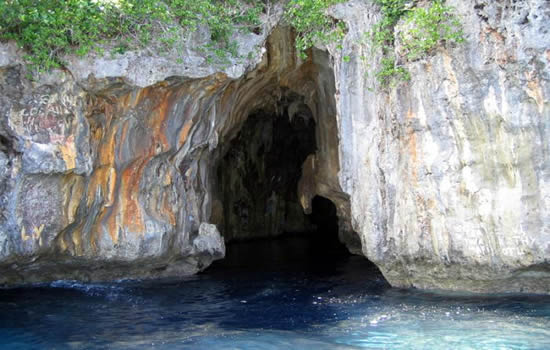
{"x":269,"y":295}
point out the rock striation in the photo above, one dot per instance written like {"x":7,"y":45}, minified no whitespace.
{"x":448,"y":174}
{"x":127,"y":166}
{"x":105,"y":178}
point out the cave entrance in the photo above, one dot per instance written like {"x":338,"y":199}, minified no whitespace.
{"x":262,"y":220}
{"x":276,"y":195}
{"x":259,"y":174}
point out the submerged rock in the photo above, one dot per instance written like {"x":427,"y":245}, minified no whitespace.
{"x":111,"y":168}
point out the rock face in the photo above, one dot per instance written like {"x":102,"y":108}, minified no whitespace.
{"x":128,"y":166}
{"x":104,"y":178}
{"x":449,"y":173}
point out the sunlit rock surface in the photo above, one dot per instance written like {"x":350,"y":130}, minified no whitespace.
{"x":105,"y":179}
{"x":111,"y":168}
{"x":449,"y":173}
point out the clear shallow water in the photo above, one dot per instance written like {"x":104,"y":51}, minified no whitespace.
{"x":269,"y":295}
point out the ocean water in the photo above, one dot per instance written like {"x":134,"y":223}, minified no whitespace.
{"x":281,"y":294}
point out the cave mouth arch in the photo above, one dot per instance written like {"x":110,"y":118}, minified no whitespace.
{"x":276,"y":150}
{"x":263,"y":219}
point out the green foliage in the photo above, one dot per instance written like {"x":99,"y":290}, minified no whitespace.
{"x":389,"y":73}
{"x":428,"y":28}
{"x":425,"y":29}
{"x":222,"y":17}
{"x":312,"y":25}
{"x":383,"y":37}
{"x":392,"y":11}
{"x":48,"y":29}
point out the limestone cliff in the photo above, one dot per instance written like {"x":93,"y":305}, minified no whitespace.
{"x":449,"y":173}
{"x":117,"y":167}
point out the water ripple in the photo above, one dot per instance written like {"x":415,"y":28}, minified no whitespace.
{"x":344,"y":305}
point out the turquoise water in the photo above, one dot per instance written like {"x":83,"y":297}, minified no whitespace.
{"x":283,"y":294}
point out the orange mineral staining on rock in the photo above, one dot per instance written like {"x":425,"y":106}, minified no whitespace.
{"x":76,"y":239}
{"x":68,"y":152}
{"x":73,"y":189}
{"x":162,"y":100}
{"x":168,"y":210}
{"x":102,"y":182}
{"x":184,"y":133}
{"x":129,"y":207}
{"x":107,"y":149}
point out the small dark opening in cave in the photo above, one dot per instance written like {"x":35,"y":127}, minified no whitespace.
{"x":324,"y":217}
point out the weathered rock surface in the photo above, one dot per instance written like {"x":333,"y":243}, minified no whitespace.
{"x":449,"y":173}
{"x":100,"y":173}
{"x":111,"y":165}
{"x":111,"y":168}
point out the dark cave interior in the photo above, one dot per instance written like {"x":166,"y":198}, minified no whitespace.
{"x":263,"y":220}
{"x":260,"y":172}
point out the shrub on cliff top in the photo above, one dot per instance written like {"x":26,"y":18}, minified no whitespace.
{"x":312,"y":25}
{"x":424,"y":29}
{"x":47,"y":29}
